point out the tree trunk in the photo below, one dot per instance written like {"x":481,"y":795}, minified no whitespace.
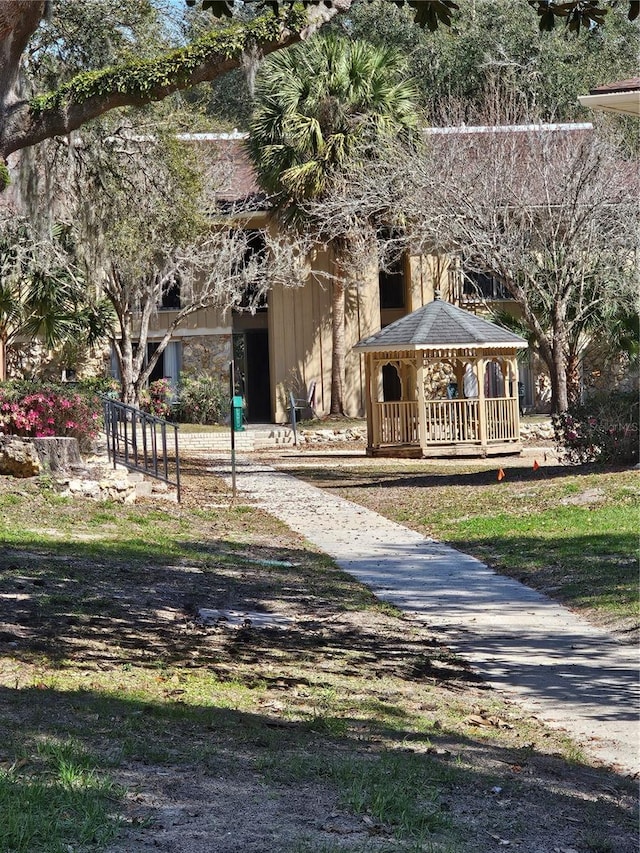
{"x":338,"y":350}
{"x":22,"y":126}
{"x":558,"y":366}
{"x":574,"y":385}
{"x":124,"y":352}
{"x":128,"y":393}
{"x":3,"y":358}
{"x":558,"y":371}
{"x":18,"y":21}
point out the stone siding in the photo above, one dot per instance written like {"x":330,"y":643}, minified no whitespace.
{"x":608,"y":371}
{"x":32,"y":360}
{"x":207,"y":355}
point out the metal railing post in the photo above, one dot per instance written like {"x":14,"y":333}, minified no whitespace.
{"x":175,"y":438}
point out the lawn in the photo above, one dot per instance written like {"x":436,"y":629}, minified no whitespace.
{"x":130,"y":725}
{"x":568,"y":531}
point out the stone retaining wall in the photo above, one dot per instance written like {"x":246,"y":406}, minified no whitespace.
{"x":95,"y":477}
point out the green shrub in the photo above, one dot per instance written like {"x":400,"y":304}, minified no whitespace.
{"x":604,"y":428}
{"x":202,"y":400}
{"x":98,"y":385}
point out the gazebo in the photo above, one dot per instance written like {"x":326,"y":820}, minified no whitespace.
{"x":442,"y":382}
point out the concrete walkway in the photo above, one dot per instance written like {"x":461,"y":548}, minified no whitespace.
{"x":554,"y":664}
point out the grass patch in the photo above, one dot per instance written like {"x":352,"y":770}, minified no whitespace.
{"x":54,"y":799}
{"x":584,"y":556}
{"x":348,"y":731}
{"x":394,"y":790}
{"x":189,"y":428}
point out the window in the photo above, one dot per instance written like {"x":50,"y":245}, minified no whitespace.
{"x":168,"y":365}
{"x":252,"y":299}
{"x":171,"y":294}
{"x":391,"y":283}
{"x":477,"y":285}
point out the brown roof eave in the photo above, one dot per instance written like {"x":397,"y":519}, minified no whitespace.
{"x":631,"y":84}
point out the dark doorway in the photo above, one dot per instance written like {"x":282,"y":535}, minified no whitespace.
{"x":251,"y":352}
{"x":391,"y":385}
{"x":158,"y":370}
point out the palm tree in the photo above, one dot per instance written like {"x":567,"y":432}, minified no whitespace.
{"x":318,"y":106}
{"x":42,"y":294}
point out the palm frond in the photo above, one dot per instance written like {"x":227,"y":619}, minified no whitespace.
{"x":315,"y":105}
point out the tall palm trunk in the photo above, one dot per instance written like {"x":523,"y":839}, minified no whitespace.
{"x":3,"y":358}
{"x":338,"y":348}
{"x":313,"y":107}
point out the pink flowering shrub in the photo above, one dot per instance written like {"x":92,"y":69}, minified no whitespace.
{"x":48,"y":412}
{"x":156,"y":399}
{"x":604,"y":429}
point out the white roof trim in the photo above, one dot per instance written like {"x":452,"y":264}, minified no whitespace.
{"x":626,"y":103}
{"x":507,"y":128}
{"x":211,"y":137}
{"x":503,"y":345}
{"x":429,"y":131}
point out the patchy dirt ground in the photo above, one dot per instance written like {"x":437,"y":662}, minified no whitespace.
{"x":351,"y":730}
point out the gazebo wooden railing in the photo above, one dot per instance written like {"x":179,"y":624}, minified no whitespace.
{"x":447,"y":421}
{"x":451,"y":420}
{"x":503,"y":422}
{"x":398,"y":422}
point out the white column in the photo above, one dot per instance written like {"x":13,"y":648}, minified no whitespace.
{"x":422,"y":409}
{"x":480,"y":367}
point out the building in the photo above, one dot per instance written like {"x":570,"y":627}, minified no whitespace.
{"x":285,"y":344}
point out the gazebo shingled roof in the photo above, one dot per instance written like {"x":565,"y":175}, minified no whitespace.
{"x":439,"y":324}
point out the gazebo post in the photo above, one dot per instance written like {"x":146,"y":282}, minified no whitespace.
{"x":481,"y":366}
{"x":514,"y":367}
{"x":368,"y":372}
{"x":422,"y":409}
{"x":374,"y":381}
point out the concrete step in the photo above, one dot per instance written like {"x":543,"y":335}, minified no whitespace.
{"x":246,"y":440}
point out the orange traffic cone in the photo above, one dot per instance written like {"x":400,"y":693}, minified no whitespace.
{"x":501,"y":475}
{"x":535,"y":465}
